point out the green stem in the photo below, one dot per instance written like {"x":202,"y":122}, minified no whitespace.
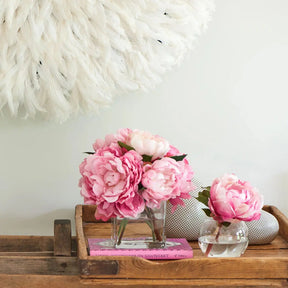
{"x":155,"y":232}
{"x":121,"y":231}
{"x":152,"y":229}
{"x":210,"y":245}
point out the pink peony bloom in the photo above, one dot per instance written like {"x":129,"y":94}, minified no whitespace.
{"x":234,"y":200}
{"x":105,"y":211}
{"x":166,"y":179}
{"x":130,"y":208}
{"x":111,"y":179}
{"x":147,"y":144}
{"x":113,"y":149}
{"x":85,"y":183}
{"x":121,"y":135}
{"x":173,"y":151}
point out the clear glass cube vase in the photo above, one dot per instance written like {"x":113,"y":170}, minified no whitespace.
{"x":147,"y":231}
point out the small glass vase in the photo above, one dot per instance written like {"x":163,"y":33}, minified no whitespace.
{"x":218,"y":240}
{"x":147,"y":231}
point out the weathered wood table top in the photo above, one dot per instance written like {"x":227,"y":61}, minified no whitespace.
{"x":47,"y":261}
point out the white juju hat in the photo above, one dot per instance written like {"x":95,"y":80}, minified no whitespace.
{"x":61,"y":57}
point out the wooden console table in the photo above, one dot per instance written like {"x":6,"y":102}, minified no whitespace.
{"x":60,"y":261}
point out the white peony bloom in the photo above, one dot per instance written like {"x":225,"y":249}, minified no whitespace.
{"x":147,"y":144}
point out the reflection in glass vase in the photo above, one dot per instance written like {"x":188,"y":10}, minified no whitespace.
{"x":147,"y":230}
{"x":218,"y":240}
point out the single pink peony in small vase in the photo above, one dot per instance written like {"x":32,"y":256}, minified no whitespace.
{"x":230,"y":200}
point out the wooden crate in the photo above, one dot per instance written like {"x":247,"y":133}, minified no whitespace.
{"x":61,"y":260}
{"x":40,"y":261}
{"x":260,"y":266}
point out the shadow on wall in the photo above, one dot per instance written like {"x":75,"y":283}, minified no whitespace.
{"x":37,"y":225}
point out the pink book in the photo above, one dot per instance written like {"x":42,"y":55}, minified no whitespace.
{"x":175,"y":248}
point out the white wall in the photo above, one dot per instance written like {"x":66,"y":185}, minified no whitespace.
{"x":226,"y":106}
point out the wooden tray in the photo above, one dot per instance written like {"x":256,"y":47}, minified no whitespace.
{"x":40,"y":261}
{"x":52,"y":262}
{"x":260,"y":266}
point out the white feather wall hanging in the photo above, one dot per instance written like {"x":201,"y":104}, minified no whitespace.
{"x":61,"y":57}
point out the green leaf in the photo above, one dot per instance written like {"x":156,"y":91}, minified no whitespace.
{"x":178,"y":157}
{"x":90,"y":153}
{"x":226,"y":224}
{"x":206,"y":193}
{"x":140,"y":187}
{"x":207,"y":212}
{"x":146,"y":158}
{"x":127,"y":147}
{"x":203,"y":197}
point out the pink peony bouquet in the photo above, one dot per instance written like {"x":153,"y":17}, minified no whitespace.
{"x":230,"y":200}
{"x":132,"y":170}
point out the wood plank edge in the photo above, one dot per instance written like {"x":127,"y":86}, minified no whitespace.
{"x":283,"y":221}
{"x":62,"y":237}
{"x":43,"y":281}
{"x":39,"y":265}
{"x":187,"y":282}
{"x":81,"y":242}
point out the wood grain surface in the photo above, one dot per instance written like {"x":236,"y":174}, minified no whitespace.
{"x":62,"y":237}
{"x":35,"y":281}
{"x":268,"y":261}
{"x":30,"y":261}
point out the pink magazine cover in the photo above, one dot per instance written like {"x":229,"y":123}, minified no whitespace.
{"x":175,"y":248}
